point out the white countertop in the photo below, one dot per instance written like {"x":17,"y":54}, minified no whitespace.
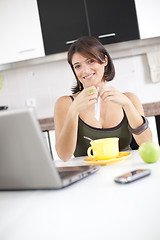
{"x":93,"y":208}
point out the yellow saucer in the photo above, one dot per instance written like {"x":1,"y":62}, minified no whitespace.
{"x":120,"y":157}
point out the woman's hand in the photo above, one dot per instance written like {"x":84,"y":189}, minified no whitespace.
{"x":108,"y":93}
{"x":84,"y":99}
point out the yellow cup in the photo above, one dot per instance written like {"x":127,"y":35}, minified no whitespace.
{"x":104,"y":149}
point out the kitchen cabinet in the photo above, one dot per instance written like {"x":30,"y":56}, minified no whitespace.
{"x":113,"y":20}
{"x":158,"y":126}
{"x":148,"y":14}
{"x":52,"y":141}
{"x":47,"y":140}
{"x":63,"y":22}
{"x":21,"y":36}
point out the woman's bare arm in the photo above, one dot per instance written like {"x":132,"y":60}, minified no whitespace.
{"x":134,"y":111}
{"x":132,"y":107}
{"x":66,"y":124}
{"x":66,"y":114}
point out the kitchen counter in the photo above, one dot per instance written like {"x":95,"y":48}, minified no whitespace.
{"x":47,"y":124}
{"x":150,"y":109}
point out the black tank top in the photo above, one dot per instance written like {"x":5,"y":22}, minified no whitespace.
{"x":121,"y":131}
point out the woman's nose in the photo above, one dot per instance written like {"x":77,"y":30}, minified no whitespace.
{"x":86,"y":68}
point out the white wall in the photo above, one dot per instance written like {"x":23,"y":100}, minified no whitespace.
{"x":47,"y":81}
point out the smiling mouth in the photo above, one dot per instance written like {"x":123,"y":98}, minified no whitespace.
{"x":89,"y":76}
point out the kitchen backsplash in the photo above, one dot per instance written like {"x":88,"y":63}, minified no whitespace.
{"x":47,"y":81}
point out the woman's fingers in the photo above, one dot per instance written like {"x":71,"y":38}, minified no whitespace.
{"x":91,"y":93}
{"x":86,"y":98}
{"x":112,"y":94}
{"x":106,"y":92}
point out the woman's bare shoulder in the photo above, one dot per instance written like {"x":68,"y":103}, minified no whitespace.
{"x":62,"y":104}
{"x":132,"y":96}
{"x":63,"y":100}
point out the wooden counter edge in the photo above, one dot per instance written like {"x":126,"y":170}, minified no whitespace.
{"x":151,"y":109}
{"x":47,"y":124}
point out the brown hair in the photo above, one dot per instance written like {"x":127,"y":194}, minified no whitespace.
{"x":90,"y":47}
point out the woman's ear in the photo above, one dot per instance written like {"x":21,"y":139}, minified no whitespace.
{"x":106,"y":60}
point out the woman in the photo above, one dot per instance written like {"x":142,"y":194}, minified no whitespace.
{"x":121,"y":114}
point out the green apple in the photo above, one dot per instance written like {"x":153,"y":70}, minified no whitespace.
{"x":149,"y":152}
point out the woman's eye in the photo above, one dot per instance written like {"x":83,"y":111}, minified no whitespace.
{"x":91,"y":61}
{"x":77,"y":66}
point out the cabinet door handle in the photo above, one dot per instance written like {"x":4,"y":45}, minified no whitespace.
{"x":107,"y":35}
{"x":27,"y":50}
{"x":69,"y":42}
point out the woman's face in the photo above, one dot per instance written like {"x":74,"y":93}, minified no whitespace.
{"x":88,"y":71}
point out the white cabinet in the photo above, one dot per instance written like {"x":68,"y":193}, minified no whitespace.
{"x":148,"y":14}
{"x":52,"y":142}
{"x":152,"y":125}
{"x":49,"y":139}
{"x":20,"y":35}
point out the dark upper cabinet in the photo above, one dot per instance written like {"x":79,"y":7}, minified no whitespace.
{"x":62,"y":22}
{"x":113,"y":20}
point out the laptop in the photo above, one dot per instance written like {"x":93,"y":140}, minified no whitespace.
{"x":25,"y":160}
